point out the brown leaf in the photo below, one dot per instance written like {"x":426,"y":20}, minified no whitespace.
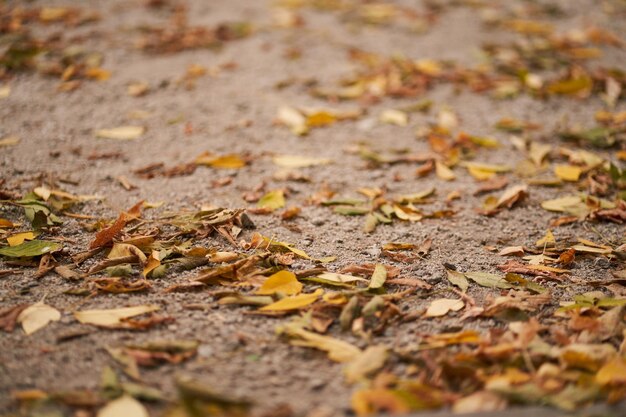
{"x":8,"y":317}
{"x":520,"y":268}
{"x":106,"y":236}
{"x":494,"y":184}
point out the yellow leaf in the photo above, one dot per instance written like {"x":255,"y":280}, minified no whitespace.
{"x":125,"y":406}
{"x":5,"y":91}
{"x":444,"y":172}
{"x":112,"y":317}
{"x":480,"y":174}
{"x":98,"y":74}
{"x":121,"y":133}
{"x":379,"y":276}
{"x":538,"y":151}
{"x":479,"y":402}
{"x":493,"y":168}
{"x":485,"y":141}
{"x":429,"y":67}
{"x":592,"y":357}
{"x":530,"y":27}
{"x":571,"y":86}
{"x":547,"y":240}
{"x":282,"y":281}
{"x":320,"y":118}
{"x":51,"y":14}
{"x":366,"y":363}
{"x":339,"y":278}
{"x":294,"y":302}
{"x":4,"y":223}
{"x":335,"y":298}
{"x":367,"y":402}
{"x":153,"y":262}
{"x":568,"y":172}
{"x":443,"y":306}
{"x":272,"y":200}
{"x":122,"y":250}
{"x":295,"y":161}
{"x":293,"y":119}
{"x":394,"y":117}
{"x":19,"y":238}
{"x":338,"y":350}
{"x":37,"y":316}
{"x":447,"y":119}
{"x":612,"y":373}
{"x":9,"y":141}
{"x":230,"y":161}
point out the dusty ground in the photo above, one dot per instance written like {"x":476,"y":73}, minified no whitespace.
{"x":232,"y":109}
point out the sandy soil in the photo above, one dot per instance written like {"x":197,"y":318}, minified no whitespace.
{"x":234,"y":111}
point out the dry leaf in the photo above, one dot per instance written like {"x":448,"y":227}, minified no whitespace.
{"x":229,"y":161}
{"x":295,"y":161}
{"x":282,"y":281}
{"x":19,"y":238}
{"x":366,"y":363}
{"x":379,"y":276}
{"x":338,"y":350}
{"x":121,"y":133}
{"x":37,"y":316}
{"x":112,"y":317}
{"x":272,"y":200}
{"x":124,"y":406}
{"x":294,"y":302}
{"x":443,"y":306}
{"x":568,"y":172}
{"x":9,"y":141}
{"x":444,"y":172}
{"x":394,"y":117}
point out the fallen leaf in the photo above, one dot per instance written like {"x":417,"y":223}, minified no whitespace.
{"x":612,"y":373}
{"x":125,"y":406}
{"x":458,"y":279}
{"x":568,"y":172}
{"x":338,"y":350}
{"x":488,"y":280}
{"x":538,"y":152}
{"x":121,"y":133}
{"x":113,"y":317}
{"x":230,"y":161}
{"x":294,"y":302}
{"x":444,"y":172}
{"x":37,"y":316}
{"x":378,"y":277}
{"x":443,"y":306}
{"x":19,"y":238}
{"x":295,"y":161}
{"x":366,"y":363}
{"x":9,"y":141}
{"x":394,"y":117}
{"x":30,"y":248}
{"x":272,"y":200}
{"x":282,"y":281}
{"x":334,"y":278}
{"x":293,"y":119}
{"x":479,"y":402}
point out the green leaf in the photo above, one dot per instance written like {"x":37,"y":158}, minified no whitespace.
{"x":488,"y":280}
{"x":378,"y":277}
{"x":31,"y":248}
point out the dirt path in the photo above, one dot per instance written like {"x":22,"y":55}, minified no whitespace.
{"x":393,"y":115}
